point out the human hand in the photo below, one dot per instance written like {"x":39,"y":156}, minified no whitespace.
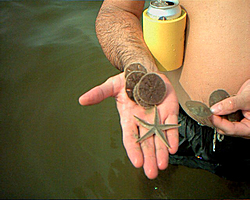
{"x":152,"y":154}
{"x":241,"y":101}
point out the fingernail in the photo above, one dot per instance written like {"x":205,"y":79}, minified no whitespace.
{"x":216,"y":108}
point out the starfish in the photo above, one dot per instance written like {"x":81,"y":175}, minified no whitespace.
{"x":156,"y":128}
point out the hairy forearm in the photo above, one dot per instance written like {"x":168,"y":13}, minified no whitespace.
{"x":120,"y":36}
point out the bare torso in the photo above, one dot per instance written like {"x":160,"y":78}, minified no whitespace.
{"x":217,"y":54}
{"x":218,"y":47}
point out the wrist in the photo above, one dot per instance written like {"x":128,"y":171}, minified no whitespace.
{"x":147,"y":65}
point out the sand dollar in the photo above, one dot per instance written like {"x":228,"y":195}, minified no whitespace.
{"x":131,"y":80}
{"x":216,"y":96}
{"x":134,"y":67}
{"x":152,"y":89}
{"x":219,"y":95}
{"x":198,"y":109}
{"x":138,"y":100}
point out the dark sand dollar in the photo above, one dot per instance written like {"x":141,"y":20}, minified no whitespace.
{"x":216,"y":96}
{"x":131,"y":80}
{"x":152,"y":89}
{"x":219,"y":95}
{"x":134,"y":67}
{"x":138,"y":100}
{"x":235,"y":117}
{"x":199,"y":109}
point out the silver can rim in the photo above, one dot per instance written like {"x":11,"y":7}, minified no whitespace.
{"x":175,"y":3}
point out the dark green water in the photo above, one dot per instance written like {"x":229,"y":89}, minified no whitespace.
{"x":51,"y":147}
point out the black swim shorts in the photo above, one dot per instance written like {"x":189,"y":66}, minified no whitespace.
{"x":231,"y":158}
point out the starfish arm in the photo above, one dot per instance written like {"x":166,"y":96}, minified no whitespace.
{"x":156,"y":128}
{"x":162,"y":137}
{"x":168,"y":126}
{"x":157,"y":119}
{"x":147,"y":135}
{"x":144,"y":123}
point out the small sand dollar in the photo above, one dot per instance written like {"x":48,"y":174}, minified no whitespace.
{"x":134,"y":67}
{"x":131,"y":80}
{"x":199,"y":109}
{"x":219,"y":95}
{"x":216,"y":96}
{"x":138,"y":100}
{"x":152,"y":89}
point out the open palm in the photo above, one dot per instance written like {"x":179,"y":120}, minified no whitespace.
{"x":152,"y":154}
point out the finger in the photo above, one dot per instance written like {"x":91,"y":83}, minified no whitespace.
{"x":148,"y":149}
{"x":240,"y":129}
{"x":172,"y":134}
{"x":170,"y":114}
{"x":161,"y":154}
{"x":109,"y":88}
{"x":230,"y":105}
{"x":130,"y":136}
{"x":246,"y":114}
{"x":245,"y":87}
{"x":168,"y":111}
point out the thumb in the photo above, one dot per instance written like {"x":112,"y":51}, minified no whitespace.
{"x":109,"y":88}
{"x":229,"y":105}
{"x":93,"y":96}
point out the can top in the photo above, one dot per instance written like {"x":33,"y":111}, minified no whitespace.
{"x":164,"y":9}
{"x":164,"y":3}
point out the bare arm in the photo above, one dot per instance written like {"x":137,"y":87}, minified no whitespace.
{"x":120,"y":35}
{"x":119,"y":32}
